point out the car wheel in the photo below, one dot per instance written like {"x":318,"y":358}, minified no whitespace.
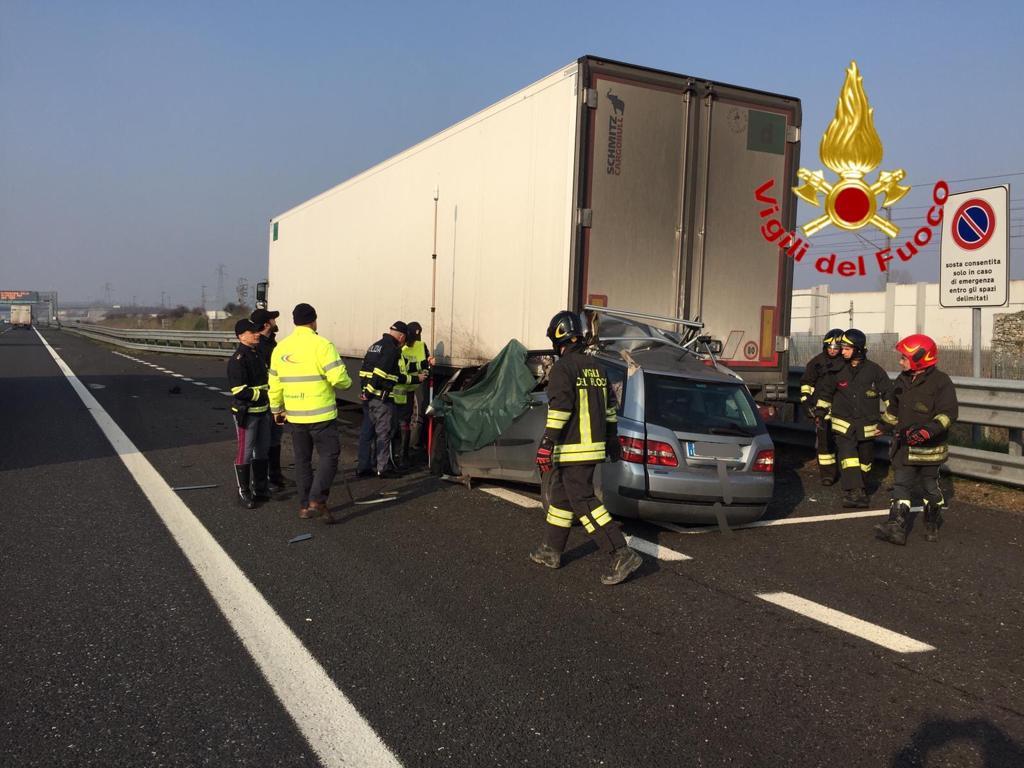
{"x":440,"y":458}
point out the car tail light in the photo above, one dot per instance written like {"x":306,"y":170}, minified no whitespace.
{"x":657,"y":453}
{"x":765,"y":461}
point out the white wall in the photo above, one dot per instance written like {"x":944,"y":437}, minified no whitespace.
{"x":901,"y":309}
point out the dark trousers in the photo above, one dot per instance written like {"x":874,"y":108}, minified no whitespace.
{"x":378,"y":421}
{"x":916,"y":482}
{"x":323,"y":436}
{"x":571,"y":496}
{"x":825,"y":443}
{"x":854,"y":461}
{"x":363,"y":452}
{"x":276,"y":433}
{"x":253,"y":435}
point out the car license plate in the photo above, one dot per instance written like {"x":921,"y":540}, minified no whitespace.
{"x":712,"y":451}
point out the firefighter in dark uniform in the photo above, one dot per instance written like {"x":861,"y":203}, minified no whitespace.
{"x":826,"y":362}
{"x":581,"y":432}
{"x":266,"y":321}
{"x":852,"y":398}
{"x":382,"y":368}
{"x":921,"y":410}
{"x":250,"y":405}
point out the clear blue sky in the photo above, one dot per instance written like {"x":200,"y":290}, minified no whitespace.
{"x":142,"y":144}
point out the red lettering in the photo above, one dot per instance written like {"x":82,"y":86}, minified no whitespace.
{"x":828,"y":261}
{"x":944,"y":188}
{"x":911,"y":250}
{"x":923,"y":239}
{"x":847,"y":268}
{"x":882,"y":259}
{"x":761,"y":197}
{"x":938,"y":216}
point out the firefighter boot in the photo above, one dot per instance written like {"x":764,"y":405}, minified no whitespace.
{"x":244,"y":476}
{"x":278,"y":482}
{"x":882,"y":529}
{"x":896,"y":529}
{"x":624,"y":562}
{"x":260,"y":489}
{"x":932,"y":521}
{"x":545,"y":555}
{"x":856,"y":499}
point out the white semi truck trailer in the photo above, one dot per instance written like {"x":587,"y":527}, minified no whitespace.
{"x":21,"y":315}
{"x":603,"y":183}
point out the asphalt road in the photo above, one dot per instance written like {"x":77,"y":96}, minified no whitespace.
{"x":427,"y":616}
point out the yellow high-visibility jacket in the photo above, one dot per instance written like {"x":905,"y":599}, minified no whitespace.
{"x":305,"y":371}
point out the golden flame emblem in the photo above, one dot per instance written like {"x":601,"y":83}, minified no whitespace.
{"x":852,"y":149}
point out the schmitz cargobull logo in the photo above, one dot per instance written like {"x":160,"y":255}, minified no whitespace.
{"x":616,"y":125}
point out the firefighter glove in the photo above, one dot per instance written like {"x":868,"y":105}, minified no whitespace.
{"x":544,"y":451}
{"x":917,"y":435}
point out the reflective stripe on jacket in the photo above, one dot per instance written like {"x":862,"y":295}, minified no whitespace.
{"x":305,"y":373}
{"x":415,"y":359}
{"x":581,"y":409}
{"x":927,"y":401}
{"x":855,"y":393}
{"x":247,"y":378}
{"x":382,"y":369}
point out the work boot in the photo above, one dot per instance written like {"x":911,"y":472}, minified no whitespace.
{"x":882,"y":529}
{"x":932,"y":521}
{"x":244,"y":476}
{"x":260,"y":489}
{"x":856,"y":499}
{"x":308,"y":513}
{"x":828,"y":475}
{"x":277,"y":481}
{"x":546,"y":556}
{"x":321,"y":510}
{"x":624,"y":562}
{"x":895,"y":529}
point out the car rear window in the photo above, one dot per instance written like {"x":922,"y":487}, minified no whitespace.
{"x":706,"y":408}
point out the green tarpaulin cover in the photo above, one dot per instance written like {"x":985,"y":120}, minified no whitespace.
{"x":476,"y":416}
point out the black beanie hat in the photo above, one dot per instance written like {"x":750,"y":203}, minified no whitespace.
{"x":303,"y":314}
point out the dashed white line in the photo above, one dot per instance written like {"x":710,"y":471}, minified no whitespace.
{"x":641,"y":545}
{"x":781,"y":521}
{"x":655,"y":550}
{"x":214,"y":389}
{"x":331,"y":724}
{"x":865,"y":630}
{"x":199,"y":383}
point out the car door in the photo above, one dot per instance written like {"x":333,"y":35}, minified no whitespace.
{"x":516,"y":448}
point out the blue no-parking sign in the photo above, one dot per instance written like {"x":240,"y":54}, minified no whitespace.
{"x":974,"y":258}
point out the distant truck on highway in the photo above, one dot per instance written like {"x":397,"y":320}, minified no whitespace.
{"x":21,"y":315}
{"x":602,"y":184}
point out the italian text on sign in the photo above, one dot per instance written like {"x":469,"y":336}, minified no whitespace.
{"x":975,"y":249}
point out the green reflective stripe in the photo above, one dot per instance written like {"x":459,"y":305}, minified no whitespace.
{"x":865,"y":467}
{"x":587,"y":525}
{"x":888,"y":418}
{"x":552,"y":424}
{"x":826,"y":458}
{"x":562,"y":513}
{"x":850,"y":463}
{"x":236,"y":390}
{"x":871,"y":431}
{"x":259,"y":409}
{"x":271,"y":371}
{"x":366,"y":374}
{"x":585,"y":431}
{"x":944,"y":420}
{"x":927,"y":455}
{"x":314,"y":411}
{"x":332,"y":365}
{"x":823,"y":404}
{"x":840,"y":422}
{"x":562,"y":416}
{"x":301,"y":379}
{"x":601,"y":516}
{"x":380,"y":372}
{"x":806,"y":389}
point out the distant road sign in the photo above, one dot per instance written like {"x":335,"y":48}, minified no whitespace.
{"x":973,"y":224}
{"x":974,"y":260}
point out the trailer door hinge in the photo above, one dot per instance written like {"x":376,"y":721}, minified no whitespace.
{"x":590,"y":97}
{"x":585,"y":217}
{"x":782,"y":343}
{"x":792,"y":134}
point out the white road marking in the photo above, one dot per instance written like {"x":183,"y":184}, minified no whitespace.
{"x":226,"y":393}
{"x":641,"y":545}
{"x":199,"y":383}
{"x":781,"y":521}
{"x":515,"y":498}
{"x":328,"y":720}
{"x":865,"y":630}
{"x":655,"y":550}
{"x":177,"y":375}
{"x":214,"y":389}
{"x":186,"y":378}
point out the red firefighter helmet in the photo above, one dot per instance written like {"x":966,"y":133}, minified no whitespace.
{"x":920,"y":350}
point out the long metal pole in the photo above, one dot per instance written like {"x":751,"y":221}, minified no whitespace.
{"x":433,"y":312}
{"x":976,"y":363}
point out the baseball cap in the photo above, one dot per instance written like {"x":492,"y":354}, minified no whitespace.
{"x":399,"y":326}
{"x":245,"y":325}
{"x":261,"y":317}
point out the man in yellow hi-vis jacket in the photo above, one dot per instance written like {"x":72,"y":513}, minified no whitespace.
{"x":304,"y":375}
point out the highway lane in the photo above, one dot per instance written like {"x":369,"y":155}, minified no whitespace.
{"x":427,"y":615}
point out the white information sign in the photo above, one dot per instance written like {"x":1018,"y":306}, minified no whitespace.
{"x":975,"y":249}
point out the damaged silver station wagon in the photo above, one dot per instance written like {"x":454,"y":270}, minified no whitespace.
{"x":694,"y":446}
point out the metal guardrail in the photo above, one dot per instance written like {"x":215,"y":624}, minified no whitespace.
{"x":215,"y":343}
{"x":988,"y":402}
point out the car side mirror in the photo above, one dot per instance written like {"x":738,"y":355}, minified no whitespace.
{"x":714,"y":346}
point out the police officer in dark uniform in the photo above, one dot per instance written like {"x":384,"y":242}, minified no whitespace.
{"x":851,"y":398}
{"x":381,"y":370}
{"x":250,"y":405}
{"x":266,"y":321}
{"x":826,"y":362}
{"x":921,"y":410}
{"x":580,"y":433}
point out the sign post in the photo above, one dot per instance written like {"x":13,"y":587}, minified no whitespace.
{"x":974,"y":261}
